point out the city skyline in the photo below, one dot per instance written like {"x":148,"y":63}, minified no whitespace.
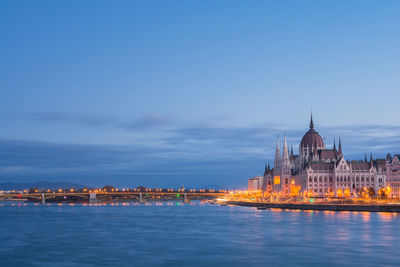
{"x":138,"y":93}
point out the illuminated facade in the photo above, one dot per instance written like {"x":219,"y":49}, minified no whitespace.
{"x":318,"y":171}
{"x":393,"y":175}
{"x":255,"y":183}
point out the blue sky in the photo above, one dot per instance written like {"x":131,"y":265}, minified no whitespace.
{"x":162,"y":93}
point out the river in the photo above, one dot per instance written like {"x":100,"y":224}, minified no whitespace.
{"x":194,"y":234}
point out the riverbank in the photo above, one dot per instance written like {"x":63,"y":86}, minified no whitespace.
{"x":320,"y":207}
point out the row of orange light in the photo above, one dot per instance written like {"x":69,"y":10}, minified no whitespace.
{"x":151,"y":190}
{"x":127,"y":190}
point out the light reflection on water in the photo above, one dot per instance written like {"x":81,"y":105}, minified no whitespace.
{"x":172,"y":233}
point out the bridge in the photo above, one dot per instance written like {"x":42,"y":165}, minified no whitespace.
{"x":101,"y":196}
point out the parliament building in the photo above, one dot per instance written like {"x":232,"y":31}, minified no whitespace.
{"x":324,"y":172}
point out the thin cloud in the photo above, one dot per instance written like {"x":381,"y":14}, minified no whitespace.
{"x":83,"y":119}
{"x":90,"y":120}
{"x":147,"y":121}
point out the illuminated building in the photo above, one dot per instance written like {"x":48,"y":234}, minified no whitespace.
{"x":319,"y":171}
{"x":255,"y":183}
{"x":393,"y":175}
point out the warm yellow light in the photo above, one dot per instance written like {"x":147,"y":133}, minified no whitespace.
{"x":347,"y":192}
{"x":340,"y":192}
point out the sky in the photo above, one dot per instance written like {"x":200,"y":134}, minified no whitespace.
{"x":164,"y":93}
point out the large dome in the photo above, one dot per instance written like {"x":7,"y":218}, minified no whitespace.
{"x":312,"y":138}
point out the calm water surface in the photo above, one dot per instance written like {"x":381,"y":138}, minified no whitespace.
{"x":177,"y":234}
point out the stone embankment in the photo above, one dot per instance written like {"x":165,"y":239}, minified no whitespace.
{"x":320,"y":206}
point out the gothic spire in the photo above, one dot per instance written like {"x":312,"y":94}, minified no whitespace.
{"x":340,"y":147}
{"x":277,"y":154}
{"x":365,"y":158}
{"x":285,"y":152}
{"x":334,"y":143}
{"x":284,"y":141}
{"x":291,"y":152}
{"x":277,"y":144}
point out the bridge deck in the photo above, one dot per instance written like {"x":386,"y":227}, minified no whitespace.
{"x":138,"y":194}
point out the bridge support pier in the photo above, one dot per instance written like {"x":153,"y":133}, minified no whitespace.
{"x":93,"y":198}
{"x":185,"y":198}
{"x":43,"y":199}
{"x":141,"y":198}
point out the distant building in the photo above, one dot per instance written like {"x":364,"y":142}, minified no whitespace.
{"x":255,"y":183}
{"x":393,"y":175}
{"x":319,"y":171}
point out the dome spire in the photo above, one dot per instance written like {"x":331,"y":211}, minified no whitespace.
{"x":311,"y":122}
{"x":312,"y":138}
